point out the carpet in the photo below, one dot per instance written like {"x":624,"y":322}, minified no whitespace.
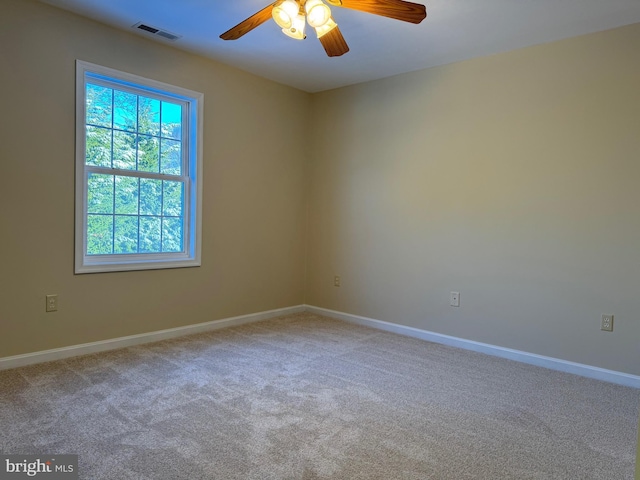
{"x":308,"y":397}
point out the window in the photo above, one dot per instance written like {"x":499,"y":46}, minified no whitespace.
{"x":138,"y":172}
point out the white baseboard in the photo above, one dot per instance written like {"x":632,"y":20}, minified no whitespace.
{"x":517,"y":355}
{"x":115,"y":343}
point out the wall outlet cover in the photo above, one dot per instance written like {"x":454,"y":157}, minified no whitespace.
{"x":454,"y":299}
{"x":52,"y":303}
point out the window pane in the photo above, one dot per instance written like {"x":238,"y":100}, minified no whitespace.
{"x":150,"y":235}
{"x":99,"y":234}
{"x":171,"y":157}
{"x":125,"y":111}
{"x":171,"y":120}
{"x":148,"y":154}
{"x":126,"y":234}
{"x":171,"y":234}
{"x":137,"y":173}
{"x":98,"y":104}
{"x":98,"y":146}
{"x":149,"y":116}
{"x":172,"y":200}
{"x":124,"y":150}
{"x":100,"y":193}
{"x":127,"y":195}
{"x":150,"y":197}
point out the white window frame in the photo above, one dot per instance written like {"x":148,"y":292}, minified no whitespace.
{"x":192,"y":145}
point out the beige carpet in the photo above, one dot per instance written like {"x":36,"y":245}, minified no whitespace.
{"x":306,"y":397}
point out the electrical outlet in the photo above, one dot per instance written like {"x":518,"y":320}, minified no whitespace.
{"x":52,"y":303}
{"x":607,"y":323}
{"x":454,"y":299}
{"x":336,"y":281}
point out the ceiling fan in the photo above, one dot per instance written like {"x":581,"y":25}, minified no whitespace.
{"x":290,"y":15}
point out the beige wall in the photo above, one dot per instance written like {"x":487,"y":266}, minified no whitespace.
{"x":253,"y":213}
{"x":513,"y":179}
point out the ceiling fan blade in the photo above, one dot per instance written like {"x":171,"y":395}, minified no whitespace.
{"x":249,"y":24}
{"x":396,"y":9}
{"x":334,"y":43}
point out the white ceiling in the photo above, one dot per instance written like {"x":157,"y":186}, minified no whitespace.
{"x":380,"y":47}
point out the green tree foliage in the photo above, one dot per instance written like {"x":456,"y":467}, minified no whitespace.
{"x":127,"y":214}
{"x":99,"y":234}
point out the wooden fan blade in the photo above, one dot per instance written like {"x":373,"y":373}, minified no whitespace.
{"x":334,"y":43}
{"x":396,"y":9}
{"x":249,"y":24}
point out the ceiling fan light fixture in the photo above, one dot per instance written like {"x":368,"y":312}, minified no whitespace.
{"x":284,"y":13}
{"x":318,"y":14}
{"x":297,"y":28}
{"x":326,"y":28}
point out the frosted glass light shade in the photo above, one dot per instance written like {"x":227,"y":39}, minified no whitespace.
{"x":297,"y":28}
{"x":318,"y":13}
{"x":284,"y":13}
{"x":326,"y":28}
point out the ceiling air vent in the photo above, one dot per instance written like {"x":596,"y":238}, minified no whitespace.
{"x":156,"y":31}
